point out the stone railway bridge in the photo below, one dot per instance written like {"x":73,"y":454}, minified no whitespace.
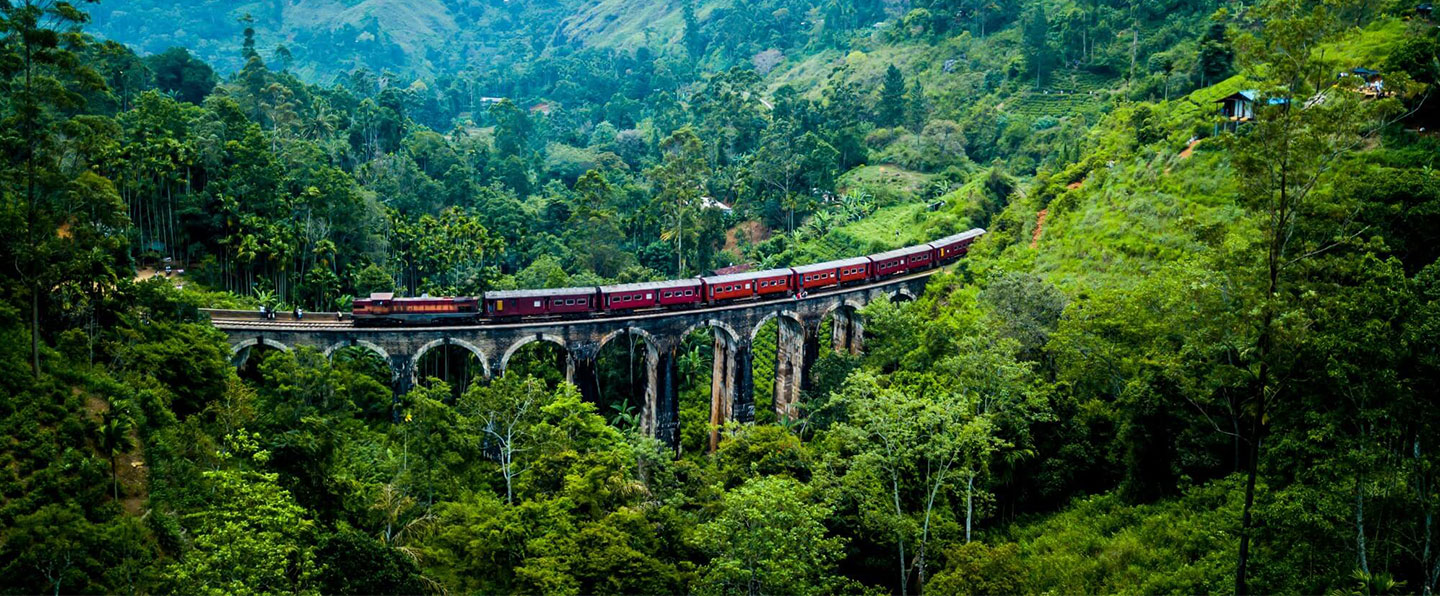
{"x":733,"y":326}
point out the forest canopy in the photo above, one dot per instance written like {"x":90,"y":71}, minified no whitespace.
{"x":1194,"y":352}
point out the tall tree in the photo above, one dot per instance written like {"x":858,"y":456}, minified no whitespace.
{"x":1298,"y":137}
{"x":44,"y":80}
{"x":891,"y":108}
{"x":1035,"y":31}
{"x":681,"y":176}
{"x":505,"y":413}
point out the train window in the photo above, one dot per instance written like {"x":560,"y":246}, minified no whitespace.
{"x":649,"y":296}
{"x":689,"y":292}
{"x":747,"y":286}
{"x":537,"y":304}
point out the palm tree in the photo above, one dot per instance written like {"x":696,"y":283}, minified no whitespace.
{"x":112,"y":436}
{"x":265,"y":297}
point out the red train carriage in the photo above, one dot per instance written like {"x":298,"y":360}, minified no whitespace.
{"x":528,"y":303}
{"x":774,"y":281}
{"x":921,"y":257}
{"x":386,"y":308}
{"x":902,"y":260}
{"x":950,"y":248}
{"x":720,"y":288}
{"x":889,"y":263}
{"x":652,"y":294}
{"x":831,"y":273}
{"x":853,"y":270}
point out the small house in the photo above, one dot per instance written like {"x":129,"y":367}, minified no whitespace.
{"x":712,"y":203}
{"x":1372,"y":84}
{"x":1236,"y":108}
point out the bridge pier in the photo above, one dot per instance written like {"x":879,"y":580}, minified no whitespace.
{"x":403,"y":373}
{"x":794,"y":352}
{"x":580,"y":371}
{"x":732,"y":385}
{"x":847,"y":332}
{"x":660,"y":418}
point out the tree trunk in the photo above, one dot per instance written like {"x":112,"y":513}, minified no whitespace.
{"x":1422,"y":490}
{"x":1244,"y":557}
{"x":35,"y":329}
{"x":900,"y":540}
{"x":969,"y":505}
{"x":1134,"y":49}
{"x":1361,"y":559}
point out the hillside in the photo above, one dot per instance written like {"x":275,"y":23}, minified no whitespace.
{"x":329,"y":37}
{"x":1189,"y":354}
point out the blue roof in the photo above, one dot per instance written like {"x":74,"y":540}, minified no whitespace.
{"x":1247,"y":95}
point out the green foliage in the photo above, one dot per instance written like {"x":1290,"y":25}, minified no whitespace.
{"x":768,"y":537}
{"x":1184,"y":545}
{"x":1074,"y":407}
{"x":353,"y":563}
{"x":249,"y":537}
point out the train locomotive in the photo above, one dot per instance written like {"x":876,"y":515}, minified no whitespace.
{"x":680,"y":294}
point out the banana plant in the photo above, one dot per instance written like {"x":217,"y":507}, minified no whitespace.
{"x":625,"y":417}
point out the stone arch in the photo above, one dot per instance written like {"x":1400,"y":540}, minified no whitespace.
{"x":787,"y":314}
{"x":420,"y":353}
{"x":522,"y":342}
{"x":846,"y":326}
{"x":902,"y":292}
{"x":372,"y":347}
{"x":850,"y":303}
{"x":256,"y":341}
{"x":357,"y":343}
{"x":650,"y":342}
{"x":730,"y":332}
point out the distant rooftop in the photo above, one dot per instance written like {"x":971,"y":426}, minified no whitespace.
{"x":731,"y":270}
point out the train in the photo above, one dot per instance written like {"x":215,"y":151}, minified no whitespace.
{"x":679,"y":294}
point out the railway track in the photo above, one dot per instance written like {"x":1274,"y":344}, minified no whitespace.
{"x":326,"y":322}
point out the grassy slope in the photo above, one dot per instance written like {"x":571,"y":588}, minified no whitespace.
{"x":1100,"y":545}
{"x":414,"y":24}
{"x":950,"y":93}
{"x":890,"y":176}
{"x":624,"y":23}
{"x":1137,"y":209}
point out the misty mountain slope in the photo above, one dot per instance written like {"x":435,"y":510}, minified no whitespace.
{"x":329,"y":37}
